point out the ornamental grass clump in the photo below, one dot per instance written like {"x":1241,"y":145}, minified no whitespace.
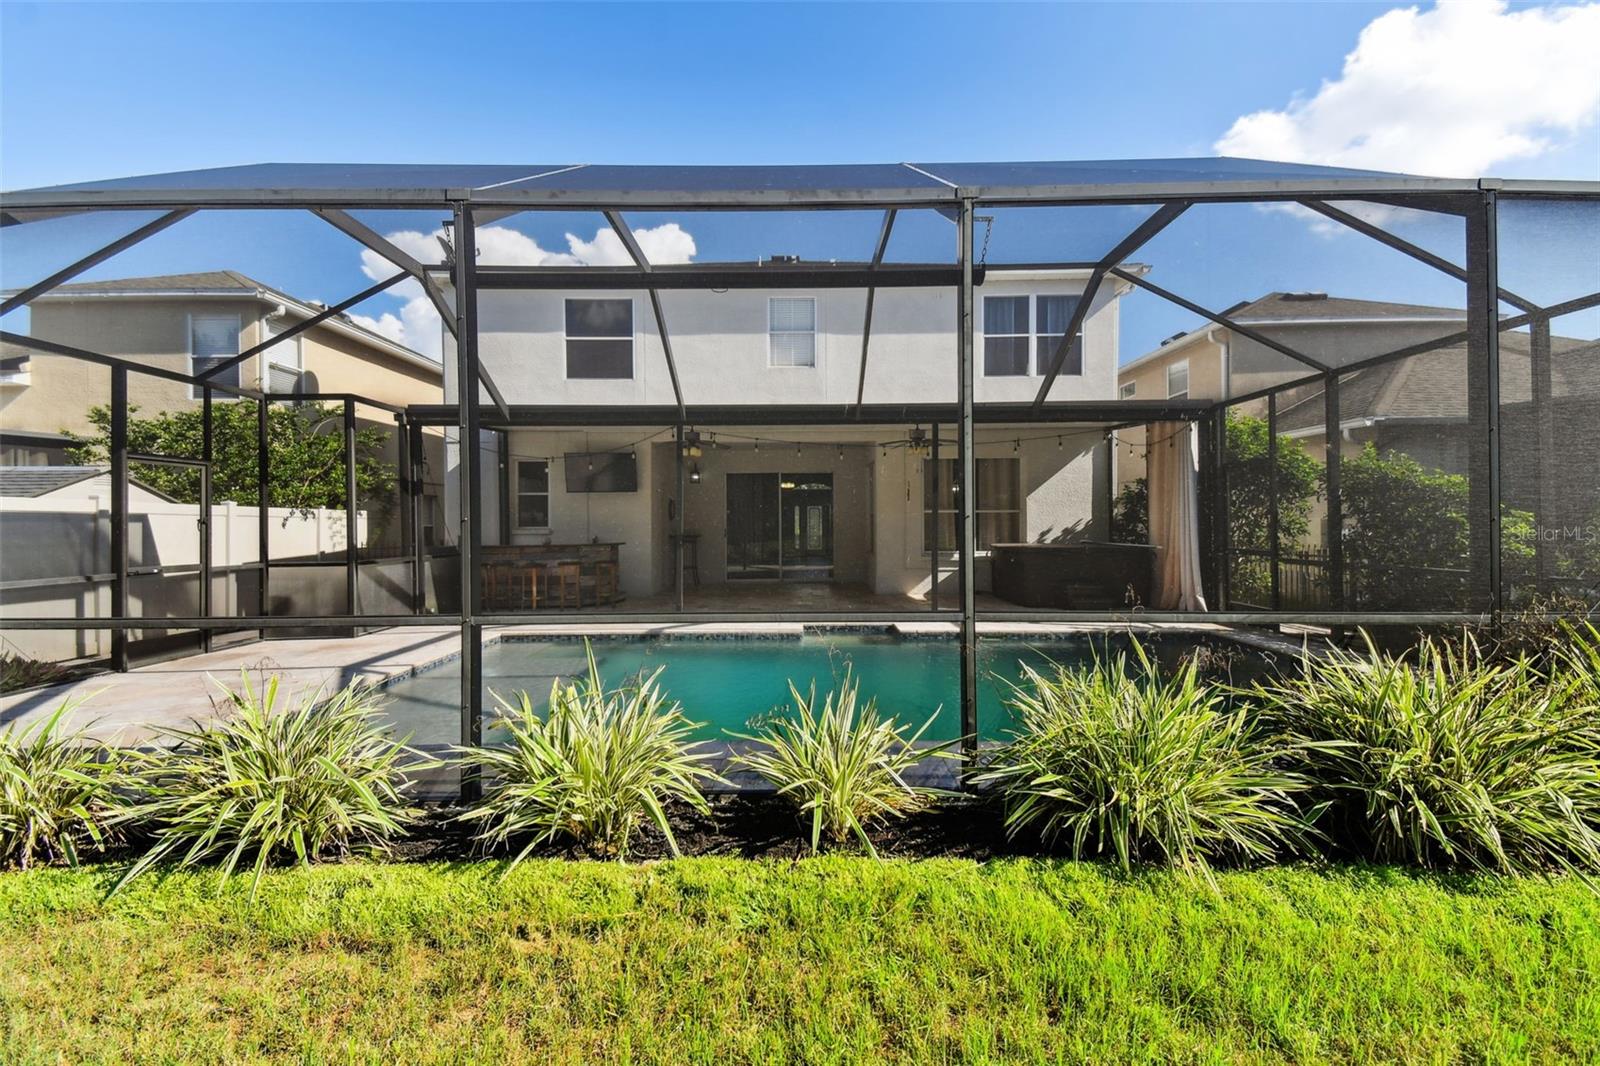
{"x":844,"y":768}
{"x":594,"y":766}
{"x":1117,"y":760}
{"x":56,"y":797}
{"x":1448,"y":758}
{"x":319,"y":778}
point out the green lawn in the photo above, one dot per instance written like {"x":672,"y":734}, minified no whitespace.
{"x":826,"y":960}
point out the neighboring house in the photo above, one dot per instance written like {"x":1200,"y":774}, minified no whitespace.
{"x":37,"y":482}
{"x":842,"y":503}
{"x":1211,"y":362}
{"x":188,"y":322}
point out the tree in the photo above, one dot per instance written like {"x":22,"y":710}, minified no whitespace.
{"x":1407,"y":538}
{"x":1249,"y":470}
{"x":305,"y":446}
{"x":1130,"y":514}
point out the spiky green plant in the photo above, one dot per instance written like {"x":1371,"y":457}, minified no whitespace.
{"x":1577,"y":665}
{"x":18,"y":671}
{"x":318,"y":778}
{"x":55,"y":790}
{"x":844,"y":768}
{"x":1447,"y":758}
{"x":1118,"y":760}
{"x":591,"y":768}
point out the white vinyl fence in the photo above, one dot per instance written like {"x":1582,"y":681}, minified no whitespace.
{"x":55,"y":560}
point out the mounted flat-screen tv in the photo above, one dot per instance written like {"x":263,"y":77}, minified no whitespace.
{"x":602,"y":472}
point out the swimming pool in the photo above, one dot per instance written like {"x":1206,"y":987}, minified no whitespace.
{"x":724,"y":683}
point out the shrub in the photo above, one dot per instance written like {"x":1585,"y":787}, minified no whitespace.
{"x":317,"y":779}
{"x":1118,"y":760}
{"x":55,"y":791}
{"x":846,"y":771}
{"x":597,"y":763}
{"x":18,"y":671}
{"x":1452,"y":759}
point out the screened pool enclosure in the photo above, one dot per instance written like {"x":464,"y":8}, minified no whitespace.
{"x":931,"y":396}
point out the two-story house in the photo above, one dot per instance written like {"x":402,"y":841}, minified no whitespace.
{"x":853,"y":504}
{"x":189,"y":322}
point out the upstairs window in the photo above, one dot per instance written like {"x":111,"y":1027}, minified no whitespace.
{"x":1051,"y":316}
{"x":1020,"y":332}
{"x":791,"y":331}
{"x":1178,"y":380}
{"x":599,"y":338}
{"x":213,"y":339}
{"x":1005,"y":336}
{"x":1127,"y":390}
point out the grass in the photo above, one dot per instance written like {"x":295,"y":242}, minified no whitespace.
{"x":834,"y":959}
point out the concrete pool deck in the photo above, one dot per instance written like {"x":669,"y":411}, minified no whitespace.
{"x":132,"y":708}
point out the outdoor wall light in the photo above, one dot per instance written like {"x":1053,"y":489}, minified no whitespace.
{"x":694,"y":474}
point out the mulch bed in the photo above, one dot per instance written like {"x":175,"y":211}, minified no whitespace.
{"x":751,"y":826}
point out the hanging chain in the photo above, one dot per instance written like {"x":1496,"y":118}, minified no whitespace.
{"x":988,"y":229}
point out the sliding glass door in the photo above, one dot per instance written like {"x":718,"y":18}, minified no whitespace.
{"x":780,"y":527}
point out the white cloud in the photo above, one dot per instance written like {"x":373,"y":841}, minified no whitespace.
{"x":417,"y":325}
{"x":666,"y":243}
{"x":1451,"y":92}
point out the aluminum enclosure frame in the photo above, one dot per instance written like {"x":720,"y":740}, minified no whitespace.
{"x":1473,"y":200}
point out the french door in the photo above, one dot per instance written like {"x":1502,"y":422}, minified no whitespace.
{"x":780,"y":527}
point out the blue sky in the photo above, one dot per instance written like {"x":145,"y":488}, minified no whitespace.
{"x":90,"y":91}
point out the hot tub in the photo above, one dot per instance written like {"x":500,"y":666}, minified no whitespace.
{"x":1078,"y":576}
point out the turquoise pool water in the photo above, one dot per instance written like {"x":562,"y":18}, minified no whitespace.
{"x":725,"y":683}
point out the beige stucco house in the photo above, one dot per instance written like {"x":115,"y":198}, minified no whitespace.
{"x":1213,"y":362}
{"x":186,"y":322}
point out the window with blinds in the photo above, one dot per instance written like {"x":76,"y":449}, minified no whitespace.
{"x":1005,"y":336}
{"x":792,"y":331}
{"x":213,"y":339}
{"x":1052,"y":314}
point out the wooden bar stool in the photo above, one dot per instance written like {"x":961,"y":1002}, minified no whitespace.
{"x":566,"y":580}
{"x":605,"y":582}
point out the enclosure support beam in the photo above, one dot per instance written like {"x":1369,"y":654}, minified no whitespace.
{"x":1221,"y":534}
{"x":470,"y":511}
{"x":1405,"y":247}
{"x":414,"y":464}
{"x":866,"y":319}
{"x":1274,"y":540}
{"x":1488,"y":294}
{"x":966,"y":498}
{"x":624,"y":232}
{"x":119,"y":515}
{"x":1482,"y":386}
{"x":67,"y":273}
{"x":933,"y":509}
{"x":1127,"y":246}
{"x":679,"y":507}
{"x":1221,"y":320}
{"x":1331,"y":438}
{"x":351,"y":559}
{"x":207,"y":456}
{"x":39,"y":344}
{"x":263,"y":501}
{"x":302,"y":326}
{"x":1544,"y":482}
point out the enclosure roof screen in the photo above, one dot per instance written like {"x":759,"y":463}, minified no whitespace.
{"x":599,"y":185}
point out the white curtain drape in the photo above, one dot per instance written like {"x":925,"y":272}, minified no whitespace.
{"x":1172,"y":466}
